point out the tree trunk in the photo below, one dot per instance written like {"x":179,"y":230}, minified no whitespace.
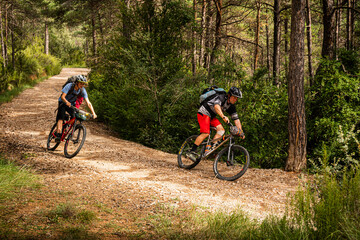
{"x":126,"y":20}
{"x":350,"y":25}
{"x":2,"y":39}
{"x":329,"y":29}
{"x":296,"y":160}
{"x":309,"y":41}
{"x":46,"y":48}
{"x":207,"y":36}
{"x":193,"y":37}
{"x":338,"y":28}
{"x":257,"y":34}
{"x":276,"y":53}
{"x":202,"y":38}
{"x":218,"y":4}
{"x":13,"y":50}
{"x":6,"y":22}
{"x":93,"y":25}
{"x":267,"y":47}
{"x":286,"y":47}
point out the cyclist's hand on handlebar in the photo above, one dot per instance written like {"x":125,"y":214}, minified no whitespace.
{"x":242,"y":134}
{"x":68,"y":104}
{"x":226,"y":119}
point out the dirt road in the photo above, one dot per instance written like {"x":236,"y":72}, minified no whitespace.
{"x":122,"y":173}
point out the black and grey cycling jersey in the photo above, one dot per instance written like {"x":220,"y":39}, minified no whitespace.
{"x":208,"y":109}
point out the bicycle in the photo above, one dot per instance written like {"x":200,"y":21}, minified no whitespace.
{"x":73,"y":133}
{"x":229,"y":164}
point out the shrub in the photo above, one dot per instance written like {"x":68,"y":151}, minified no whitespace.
{"x":333,"y":103}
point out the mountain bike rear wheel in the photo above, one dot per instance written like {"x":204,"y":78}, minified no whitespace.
{"x":51,"y":144}
{"x":183,"y":159}
{"x":231,"y":165}
{"x":75,"y":141}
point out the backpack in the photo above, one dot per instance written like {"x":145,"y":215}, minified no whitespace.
{"x":210,"y":92}
{"x":71,"y":80}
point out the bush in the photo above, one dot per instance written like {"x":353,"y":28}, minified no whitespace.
{"x":332,"y":104}
{"x":30,"y":64}
{"x":263,"y":112}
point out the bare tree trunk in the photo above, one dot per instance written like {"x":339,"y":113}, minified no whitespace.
{"x":202,"y":38}
{"x":257,"y":34}
{"x":12,"y":37}
{"x":350,"y":25}
{"x":46,"y":48}
{"x":329,"y":29}
{"x":93,"y":25}
{"x":267,"y":46}
{"x":309,"y":41}
{"x":126,"y":20}
{"x":6,"y":22}
{"x":286,"y":31}
{"x":193,"y":62}
{"x":218,"y":4}
{"x":2,"y":39}
{"x":276,"y":53}
{"x":296,"y":160}
{"x":337,"y":31}
{"x":207,"y":36}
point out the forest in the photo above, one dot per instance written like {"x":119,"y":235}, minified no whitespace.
{"x":296,"y":62}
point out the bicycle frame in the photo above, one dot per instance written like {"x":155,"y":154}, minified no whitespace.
{"x":71,"y":123}
{"x":228,"y":137}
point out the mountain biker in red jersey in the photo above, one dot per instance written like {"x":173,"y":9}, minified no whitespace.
{"x":72,"y":95}
{"x":207,"y":117}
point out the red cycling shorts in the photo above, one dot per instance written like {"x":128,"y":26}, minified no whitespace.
{"x":205,"y":122}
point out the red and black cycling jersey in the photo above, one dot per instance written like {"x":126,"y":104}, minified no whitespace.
{"x":208,"y":108}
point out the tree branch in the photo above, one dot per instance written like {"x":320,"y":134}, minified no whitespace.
{"x":239,"y":39}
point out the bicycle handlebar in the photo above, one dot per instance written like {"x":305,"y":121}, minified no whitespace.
{"x":82,"y":112}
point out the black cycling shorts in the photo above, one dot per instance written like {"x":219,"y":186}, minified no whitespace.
{"x":61,"y":112}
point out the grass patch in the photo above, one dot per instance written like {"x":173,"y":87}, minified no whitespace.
{"x":13,"y":179}
{"x":70,"y":213}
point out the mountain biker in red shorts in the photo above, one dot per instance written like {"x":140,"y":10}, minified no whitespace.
{"x":207,"y":117}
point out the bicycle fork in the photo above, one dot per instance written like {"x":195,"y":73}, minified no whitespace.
{"x":230,"y":157}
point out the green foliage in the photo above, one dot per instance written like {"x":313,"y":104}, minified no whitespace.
{"x":263,"y":114}
{"x":350,"y":60}
{"x":226,"y":226}
{"x":30,"y":64}
{"x":332,"y":104}
{"x":67,"y":45}
{"x":141,"y":86}
{"x":329,"y":208}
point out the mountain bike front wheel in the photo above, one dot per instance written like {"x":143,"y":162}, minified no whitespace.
{"x":75,"y":141}
{"x":184,"y":161}
{"x":231,"y":164}
{"x":51,"y":144}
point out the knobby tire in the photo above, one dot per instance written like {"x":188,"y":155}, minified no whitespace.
{"x":185,"y":162}
{"x":79,"y":131}
{"x":233,"y":168}
{"x":51,"y":140}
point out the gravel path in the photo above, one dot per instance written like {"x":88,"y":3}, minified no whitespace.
{"x":108,"y":166}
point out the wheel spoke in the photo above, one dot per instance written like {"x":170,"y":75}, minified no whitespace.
{"x":75,"y":141}
{"x":231,"y":165}
{"x":184,"y":160}
{"x":51,"y":144}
